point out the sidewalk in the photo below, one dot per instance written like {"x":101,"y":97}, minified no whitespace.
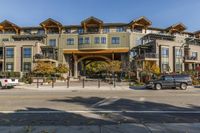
{"x":122,"y":128}
{"x":72,"y":88}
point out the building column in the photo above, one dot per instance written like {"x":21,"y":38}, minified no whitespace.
{"x":84,"y":68}
{"x":75,"y":66}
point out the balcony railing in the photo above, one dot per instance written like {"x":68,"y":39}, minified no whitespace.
{"x":147,"y":55}
{"x":190,"y":58}
{"x":1,"y":56}
{"x":92,"y":46}
{"x":41,"y":56}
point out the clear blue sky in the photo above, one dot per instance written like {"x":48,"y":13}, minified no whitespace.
{"x":162,"y":13}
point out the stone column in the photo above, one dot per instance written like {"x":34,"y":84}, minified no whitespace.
{"x":84,"y":68}
{"x":75,"y":66}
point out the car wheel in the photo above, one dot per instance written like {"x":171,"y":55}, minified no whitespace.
{"x":183,"y":86}
{"x":158,"y":86}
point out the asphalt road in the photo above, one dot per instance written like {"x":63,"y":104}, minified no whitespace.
{"x":29,"y":107}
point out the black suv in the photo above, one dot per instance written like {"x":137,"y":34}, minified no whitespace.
{"x":171,"y":81}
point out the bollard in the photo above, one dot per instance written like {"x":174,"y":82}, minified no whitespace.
{"x":37,"y":82}
{"x":52,"y":83}
{"x":114,"y":85}
{"x":83,"y":82}
{"x":98,"y":83}
{"x":67,"y":83}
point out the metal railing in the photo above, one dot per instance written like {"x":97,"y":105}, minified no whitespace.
{"x":41,"y":56}
{"x":190,"y":57}
{"x":147,"y":55}
{"x":92,"y":46}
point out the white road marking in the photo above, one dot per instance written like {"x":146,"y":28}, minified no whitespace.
{"x":100,"y":111}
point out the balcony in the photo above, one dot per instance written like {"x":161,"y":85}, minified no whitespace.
{"x":1,"y":58}
{"x":190,"y":59}
{"x":45,"y":58}
{"x":147,"y":56}
{"x":92,"y":46}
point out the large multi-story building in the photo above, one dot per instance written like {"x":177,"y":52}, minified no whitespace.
{"x":172,"y":49}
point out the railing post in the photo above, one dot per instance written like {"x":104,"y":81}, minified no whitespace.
{"x":37,"y":82}
{"x":83,"y":83}
{"x":67,"y":82}
{"x":98,"y":83}
{"x":52,"y":82}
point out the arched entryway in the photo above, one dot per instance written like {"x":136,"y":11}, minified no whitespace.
{"x":84,"y":61}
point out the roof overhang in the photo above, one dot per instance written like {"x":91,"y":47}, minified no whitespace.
{"x":9,"y":25}
{"x":92,"y":22}
{"x":142,"y":21}
{"x":180,"y":27}
{"x":51,"y":23}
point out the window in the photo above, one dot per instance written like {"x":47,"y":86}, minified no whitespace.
{"x":52,"y":42}
{"x":165,"y":67}
{"x":80,"y":30}
{"x":169,"y":78}
{"x":103,"y":40}
{"x":106,"y":30}
{"x":40,"y":32}
{"x":27,"y":66}
{"x":120,"y":29}
{"x":96,"y":40}
{"x":9,"y":52}
{"x":178,"y":53}
{"x":70,"y":41}
{"x":9,"y":66}
{"x":5,"y":40}
{"x":27,"y":52}
{"x":138,"y":41}
{"x":27,"y":31}
{"x":80,"y":40}
{"x":165,"y":52}
{"x":87,"y":40}
{"x":115,"y":40}
{"x":194,"y":54}
{"x":68,"y":30}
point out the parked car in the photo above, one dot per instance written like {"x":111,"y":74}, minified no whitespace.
{"x":171,"y":81}
{"x":8,"y":82}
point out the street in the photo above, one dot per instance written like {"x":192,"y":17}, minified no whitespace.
{"x":22,"y":107}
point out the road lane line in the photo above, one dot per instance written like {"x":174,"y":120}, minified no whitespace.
{"x":101,"y":111}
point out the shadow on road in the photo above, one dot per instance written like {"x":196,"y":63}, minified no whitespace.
{"x":35,"y":116}
{"x":156,"y":110}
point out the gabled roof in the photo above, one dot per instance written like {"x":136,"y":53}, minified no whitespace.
{"x":142,"y":20}
{"x":52,"y":21}
{"x":6,"y":23}
{"x":177,"y":27}
{"x":197,"y":32}
{"x":92,"y":19}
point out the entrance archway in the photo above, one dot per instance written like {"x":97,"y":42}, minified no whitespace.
{"x":85,"y":60}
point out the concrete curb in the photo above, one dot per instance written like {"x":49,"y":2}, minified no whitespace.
{"x":77,"y":88}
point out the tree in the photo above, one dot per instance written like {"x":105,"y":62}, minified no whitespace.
{"x":61,"y":68}
{"x":151,"y":68}
{"x":114,"y":66}
{"x":43,"y":68}
{"x":96,"y":67}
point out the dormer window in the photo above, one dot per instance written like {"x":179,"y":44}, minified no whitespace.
{"x":68,"y":30}
{"x":80,"y":30}
{"x":120,"y":29}
{"x":106,"y":30}
{"x":40,"y":32}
